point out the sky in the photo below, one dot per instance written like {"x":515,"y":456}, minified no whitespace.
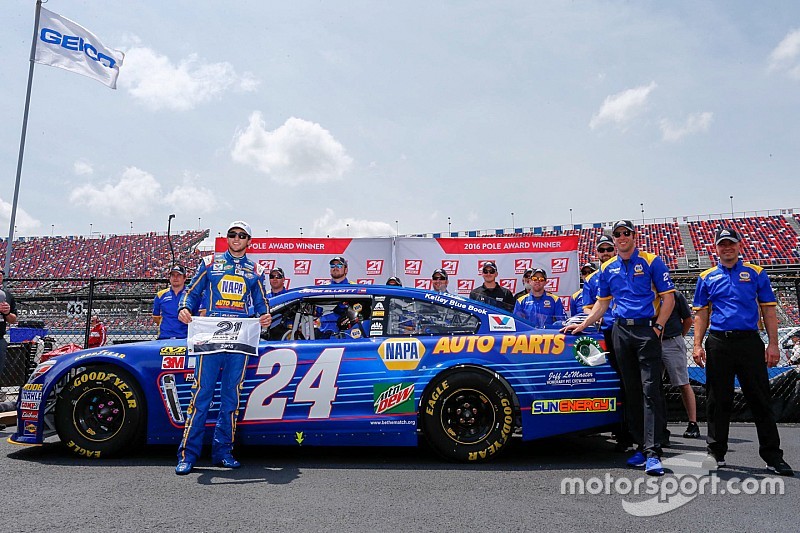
{"x":368,"y":118}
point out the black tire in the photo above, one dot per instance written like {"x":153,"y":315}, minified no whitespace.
{"x":468,"y":416}
{"x":100,"y":413}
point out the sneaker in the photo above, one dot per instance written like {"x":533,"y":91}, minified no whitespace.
{"x":692,"y":431}
{"x":654,"y":467}
{"x":183,"y":468}
{"x":781,"y":468}
{"x":637,"y":460}
{"x":228,"y":462}
{"x":712,"y":462}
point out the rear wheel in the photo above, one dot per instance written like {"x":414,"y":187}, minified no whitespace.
{"x":468,"y":416}
{"x":100,"y":412}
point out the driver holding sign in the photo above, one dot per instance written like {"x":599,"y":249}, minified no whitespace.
{"x":232,"y":285}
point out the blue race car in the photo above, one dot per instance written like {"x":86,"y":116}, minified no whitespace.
{"x":354,"y":365}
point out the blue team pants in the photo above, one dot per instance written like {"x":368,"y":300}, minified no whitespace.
{"x":209,"y":367}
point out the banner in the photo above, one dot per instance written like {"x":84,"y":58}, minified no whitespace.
{"x":223,"y":334}
{"x":305,"y":261}
{"x":64,"y":44}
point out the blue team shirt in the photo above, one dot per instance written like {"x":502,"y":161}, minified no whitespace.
{"x":273,"y":294}
{"x":590,"y":288}
{"x":540,"y":311}
{"x":733,"y":294}
{"x":166,"y":305}
{"x":635,"y":284}
{"x":576,"y":303}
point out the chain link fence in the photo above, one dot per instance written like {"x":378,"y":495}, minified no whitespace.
{"x":54,"y":313}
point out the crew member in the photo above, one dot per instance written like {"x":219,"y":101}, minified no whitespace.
{"x":339,"y":271}
{"x":539,"y":307}
{"x":636,"y":280}
{"x":673,"y":355}
{"x":727,"y":300}
{"x":526,"y":284}
{"x":492,"y":292}
{"x":277,"y":281}
{"x":165,"y":306}
{"x":439,"y":281}
{"x":605,"y":251}
{"x":394,"y":281}
{"x":231,"y":284}
{"x":576,"y":301}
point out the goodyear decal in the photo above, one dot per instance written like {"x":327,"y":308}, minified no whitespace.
{"x":509,"y":344}
{"x":401,"y":354}
{"x":393,"y":398}
{"x":575,"y":405}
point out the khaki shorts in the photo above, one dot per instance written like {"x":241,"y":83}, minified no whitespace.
{"x":673,"y":356}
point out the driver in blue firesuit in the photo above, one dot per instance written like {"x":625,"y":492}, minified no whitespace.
{"x":206,"y":284}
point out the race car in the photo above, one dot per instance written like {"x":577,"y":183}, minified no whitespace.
{"x":404,"y":364}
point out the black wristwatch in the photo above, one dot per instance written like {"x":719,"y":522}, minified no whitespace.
{"x":660,"y":328}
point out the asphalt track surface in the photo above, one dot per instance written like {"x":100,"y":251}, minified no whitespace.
{"x":384,"y":489}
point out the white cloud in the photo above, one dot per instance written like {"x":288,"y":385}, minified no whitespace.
{"x":23,"y":221}
{"x":694,"y":123}
{"x":190,"y":197}
{"x":328,"y":224}
{"x":620,"y":108}
{"x":153,"y":80}
{"x":138,"y":191}
{"x":82,"y":168}
{"x":135,"y":192}
{"x":297,"y":152}
{"x":786,"y":56}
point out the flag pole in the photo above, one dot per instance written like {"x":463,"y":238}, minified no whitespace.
{"x":9,"y":244}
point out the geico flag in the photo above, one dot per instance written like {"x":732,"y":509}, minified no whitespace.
{"x":62,"y":43}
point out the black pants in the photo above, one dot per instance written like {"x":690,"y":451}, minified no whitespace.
{"x":639,"y":355}
{"x":741,"y":357}
{"x":622,"y":431}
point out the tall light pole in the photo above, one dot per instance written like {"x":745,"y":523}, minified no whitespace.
{"x":448,"y":226}
{"x":52,"y":229}
{"x":198,"y":222}
{"x":131,"y":227}
{"x":90,"y":229}
{"x":512,"y":221}
{"x":731,"y":206}
{"x":348,"y":229}
{"x":570,"y":217}
{"x":397,"y":227}
{"x":642,"y":206}
{"x":267,"y":233}
{"x":301,"y":231}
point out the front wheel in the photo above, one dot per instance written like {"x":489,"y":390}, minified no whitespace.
{"x":100,"y":412}
{"x":468,"y":416}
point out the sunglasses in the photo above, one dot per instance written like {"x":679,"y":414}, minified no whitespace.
{"x":240,"y":234}
{"x":489,"y":271}
{"x":438,"y":279}
{"x":337,"y":265}
{"x":619,"y":234}
{"x":275,"y":276}
{"x":540,"y":280}
{"x":605,"y":250}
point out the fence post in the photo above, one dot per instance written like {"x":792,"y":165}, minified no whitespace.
{"x":89,"y":311}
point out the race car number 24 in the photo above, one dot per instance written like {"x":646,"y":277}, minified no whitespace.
{"x":263,"y":405}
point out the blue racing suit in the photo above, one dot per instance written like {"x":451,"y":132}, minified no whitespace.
{"x":541,"y":310}
{"x":231,"y":287}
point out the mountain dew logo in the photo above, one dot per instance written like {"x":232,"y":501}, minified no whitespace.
{"x":394,"y":398}
{"x":588,"y":352}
